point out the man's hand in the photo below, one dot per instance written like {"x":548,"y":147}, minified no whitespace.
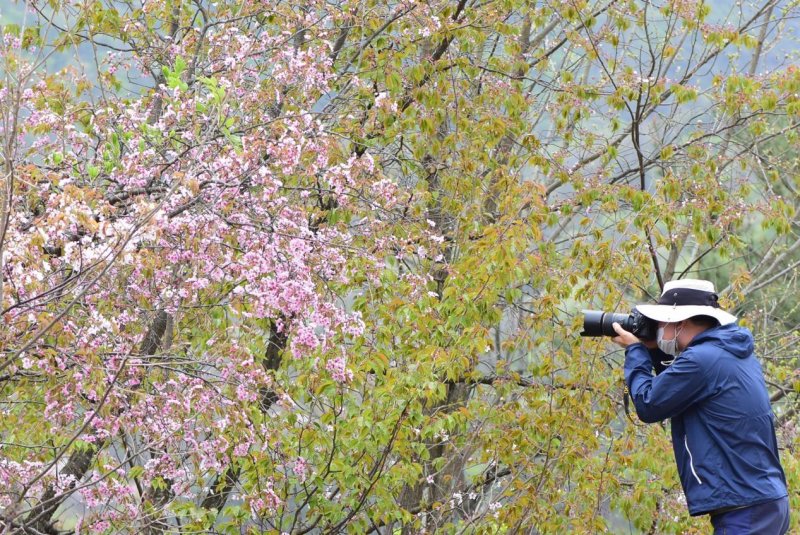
{"x":625,"y":338}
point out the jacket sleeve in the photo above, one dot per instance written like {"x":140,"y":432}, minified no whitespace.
{"x":679,"y":386}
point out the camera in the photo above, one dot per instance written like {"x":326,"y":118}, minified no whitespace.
{"x":598,"y":323}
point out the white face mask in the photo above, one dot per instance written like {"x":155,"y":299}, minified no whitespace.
{"x":670,"y":347}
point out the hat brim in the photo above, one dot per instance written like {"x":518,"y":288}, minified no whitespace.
{"x":672,"y":314}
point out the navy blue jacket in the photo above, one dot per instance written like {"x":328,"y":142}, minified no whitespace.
{"x":723,"y":432}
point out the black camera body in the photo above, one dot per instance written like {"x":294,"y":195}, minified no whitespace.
{"x":598,"y":323}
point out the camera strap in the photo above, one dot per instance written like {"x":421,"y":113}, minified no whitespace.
{"x":626,"y":397}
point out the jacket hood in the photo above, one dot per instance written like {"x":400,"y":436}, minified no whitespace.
{"x":734,"y":339}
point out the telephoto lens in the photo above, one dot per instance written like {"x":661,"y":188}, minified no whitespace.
{"x":599,"y":323}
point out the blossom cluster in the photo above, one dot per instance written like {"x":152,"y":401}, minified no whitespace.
{"x":179,"y":234}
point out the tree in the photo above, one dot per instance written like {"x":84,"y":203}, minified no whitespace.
{"x":319,"y":267}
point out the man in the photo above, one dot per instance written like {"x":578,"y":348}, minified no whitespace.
{"x":723,"y":433}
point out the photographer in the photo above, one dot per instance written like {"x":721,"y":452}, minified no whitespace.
{"x":723,"y":433}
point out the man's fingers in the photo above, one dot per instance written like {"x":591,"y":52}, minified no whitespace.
{"x":623,"y":338}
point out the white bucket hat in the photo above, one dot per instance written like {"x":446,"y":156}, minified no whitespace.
{"x":683,"y":299}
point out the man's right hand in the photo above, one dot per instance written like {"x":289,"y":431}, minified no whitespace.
{"x":623,"y":338}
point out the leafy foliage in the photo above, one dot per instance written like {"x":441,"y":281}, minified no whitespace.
{"x":319,"y":267}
